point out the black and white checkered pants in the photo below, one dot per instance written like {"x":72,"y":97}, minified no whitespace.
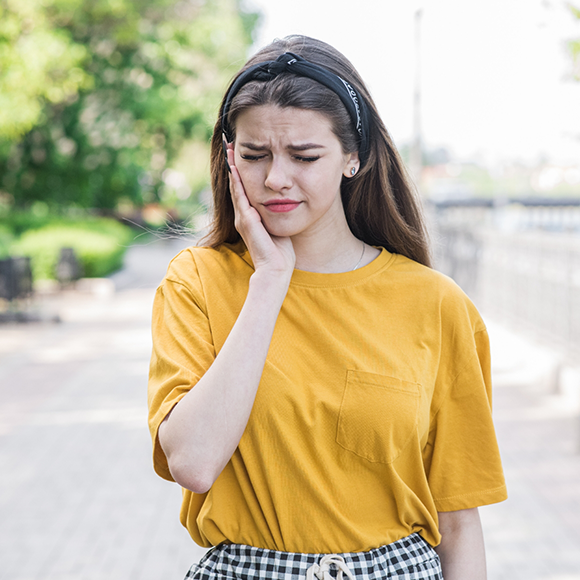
{"x":410,"y":558}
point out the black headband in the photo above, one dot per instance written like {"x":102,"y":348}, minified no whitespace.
{"x":294,"y":64}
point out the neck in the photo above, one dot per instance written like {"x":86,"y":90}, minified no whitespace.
{"x":328,"y":254}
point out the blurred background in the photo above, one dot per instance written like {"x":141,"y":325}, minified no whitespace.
{"x":106,"y":110}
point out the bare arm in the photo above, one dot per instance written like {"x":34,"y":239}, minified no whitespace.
{"x":461,"y":551}
{"x":203,"y":430}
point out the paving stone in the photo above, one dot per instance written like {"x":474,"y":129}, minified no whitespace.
{"x":78,"y":495}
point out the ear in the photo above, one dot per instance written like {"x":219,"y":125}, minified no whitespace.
{"x":352,"y":163}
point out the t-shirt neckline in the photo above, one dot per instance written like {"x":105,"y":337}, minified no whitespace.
{"x":304,"y":278}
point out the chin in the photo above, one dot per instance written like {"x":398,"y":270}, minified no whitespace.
{"x":282,"y":230}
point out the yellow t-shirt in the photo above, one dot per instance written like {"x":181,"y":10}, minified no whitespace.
{"x":373,"y":412}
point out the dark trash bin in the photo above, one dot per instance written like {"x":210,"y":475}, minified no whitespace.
{"x":15,"y":278}
{"x":68,"y":267}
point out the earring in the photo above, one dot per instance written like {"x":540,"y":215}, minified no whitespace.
{"x":353,"y":171}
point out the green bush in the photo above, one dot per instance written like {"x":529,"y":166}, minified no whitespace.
{"x":20,"y":221}
{"x":99,"y":245}
{"x":6,"y":239}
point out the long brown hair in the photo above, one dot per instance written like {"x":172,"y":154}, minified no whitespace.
{"x":380,"y":203}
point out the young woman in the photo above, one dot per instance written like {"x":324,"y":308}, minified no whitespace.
{"x":321,"y":394}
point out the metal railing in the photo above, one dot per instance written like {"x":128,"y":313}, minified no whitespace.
{"x":519,"y":259}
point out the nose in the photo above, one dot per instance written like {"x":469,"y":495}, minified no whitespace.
{"x":278,"y":176}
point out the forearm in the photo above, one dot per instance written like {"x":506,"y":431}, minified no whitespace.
{"x":204,"y":428}
{"x":461,"y":551}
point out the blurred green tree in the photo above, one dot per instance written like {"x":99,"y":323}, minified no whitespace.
{"x":97,"y":97}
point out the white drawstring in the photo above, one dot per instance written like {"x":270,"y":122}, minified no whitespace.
{"x":322,"y":569}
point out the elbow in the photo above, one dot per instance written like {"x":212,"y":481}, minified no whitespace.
{"x":187,"y":469}
{"x":191,"y":477}
{"x":199,"y":484}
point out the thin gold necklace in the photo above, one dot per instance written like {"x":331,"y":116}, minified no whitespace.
{"x":360,"y":259}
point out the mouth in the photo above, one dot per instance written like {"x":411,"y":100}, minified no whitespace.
{"x":281,"y":205}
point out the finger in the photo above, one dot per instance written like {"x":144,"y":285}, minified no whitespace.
{"x":230,"y":154}
{"x":237,"y":190}
{"x":225,"y":147}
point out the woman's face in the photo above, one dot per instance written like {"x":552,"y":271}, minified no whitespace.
{"x":291,"y":165}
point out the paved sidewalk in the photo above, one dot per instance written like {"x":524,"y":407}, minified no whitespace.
{"x":79,"y":499}
{"x":535,"y":534}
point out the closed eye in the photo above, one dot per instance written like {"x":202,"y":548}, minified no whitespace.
{"x":252,"y":157}
{"x":306,"y":159}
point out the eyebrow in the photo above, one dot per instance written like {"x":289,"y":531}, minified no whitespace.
{"x":302,"y":147}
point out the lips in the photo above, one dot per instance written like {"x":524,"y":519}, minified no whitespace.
{"x":281,"y":205}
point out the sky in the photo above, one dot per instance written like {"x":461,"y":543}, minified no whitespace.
{"x":495,"y":74}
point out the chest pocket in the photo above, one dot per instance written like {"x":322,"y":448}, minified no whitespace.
{"x":378,"y":416}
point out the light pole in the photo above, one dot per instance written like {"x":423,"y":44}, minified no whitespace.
{"x":416,"y":158}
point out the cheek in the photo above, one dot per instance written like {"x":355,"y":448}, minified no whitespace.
{"x":250,"y":180}
{"x":328,"y":188}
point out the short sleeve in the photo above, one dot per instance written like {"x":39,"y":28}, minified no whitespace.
{"x":462,"y":456}
{"x":183,"y":350}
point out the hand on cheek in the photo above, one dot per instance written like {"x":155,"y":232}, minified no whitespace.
{"x":267,"y":252}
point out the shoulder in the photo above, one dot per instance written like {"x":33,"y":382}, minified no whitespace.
{"x":438,"y":292}
{"x":199,"y":274}
{"x":197,"y":263}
